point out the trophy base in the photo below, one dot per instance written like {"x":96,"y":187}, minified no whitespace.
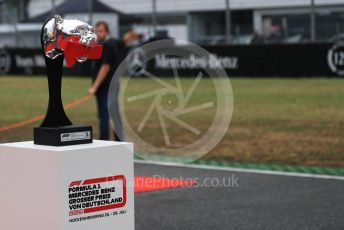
{"x":63,"y":136}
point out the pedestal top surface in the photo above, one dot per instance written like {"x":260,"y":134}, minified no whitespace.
{"x":95,"y":144}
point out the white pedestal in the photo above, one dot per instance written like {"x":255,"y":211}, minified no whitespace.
{"x":81,"y":187}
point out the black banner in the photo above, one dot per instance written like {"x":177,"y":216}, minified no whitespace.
{"x":294,"y":60}
{"x":31,"y":62}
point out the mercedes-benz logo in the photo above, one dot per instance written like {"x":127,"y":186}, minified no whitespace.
{"x":136,"y":65}
{"x":5,"y":62}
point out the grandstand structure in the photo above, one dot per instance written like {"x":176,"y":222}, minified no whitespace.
{"x":199,"y":21}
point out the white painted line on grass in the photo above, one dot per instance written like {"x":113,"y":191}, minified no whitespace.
{"x":256,"y":171}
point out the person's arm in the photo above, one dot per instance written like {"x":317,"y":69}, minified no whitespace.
{"x":103,"y":71}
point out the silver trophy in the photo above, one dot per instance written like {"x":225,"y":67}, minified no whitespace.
{"x":74,"y":41}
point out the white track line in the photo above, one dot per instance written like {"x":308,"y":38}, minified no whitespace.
{"x":256,"y":171}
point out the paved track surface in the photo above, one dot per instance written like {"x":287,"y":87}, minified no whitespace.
{"x":259,"y":202}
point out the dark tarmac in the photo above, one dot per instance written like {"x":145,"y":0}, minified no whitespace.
{"x":249,"y":201}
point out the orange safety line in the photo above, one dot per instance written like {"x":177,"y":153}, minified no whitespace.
{"x":40,"y":117}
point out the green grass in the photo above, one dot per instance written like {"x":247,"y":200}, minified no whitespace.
{"x":285,"y":121}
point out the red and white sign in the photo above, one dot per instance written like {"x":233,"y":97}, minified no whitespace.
{"x":96,"y":195}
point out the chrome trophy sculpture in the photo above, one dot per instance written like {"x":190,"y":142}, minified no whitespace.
{"x":71,"y":40}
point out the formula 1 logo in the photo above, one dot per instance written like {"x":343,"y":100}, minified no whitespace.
{"x":96,"y":195}
{"x":76,"y":136}
{"x":335,"y":58}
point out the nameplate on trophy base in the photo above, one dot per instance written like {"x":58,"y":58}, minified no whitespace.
{"x":63,"y":136}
